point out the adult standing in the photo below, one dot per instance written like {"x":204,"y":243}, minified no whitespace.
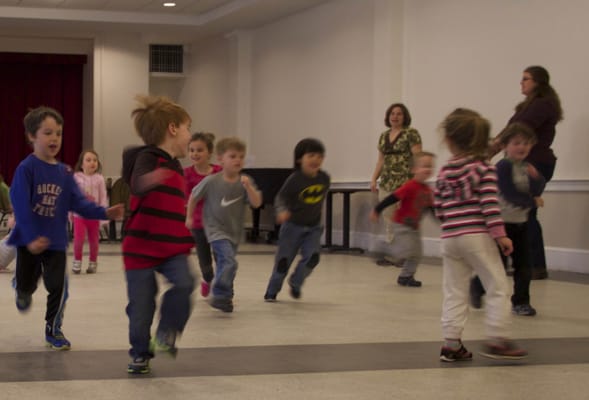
{"x":541,"y":111}
{"x":396,"y":146}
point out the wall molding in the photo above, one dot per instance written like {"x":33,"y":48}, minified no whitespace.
{"x":558,"y":185}
{"x":558,"y":258}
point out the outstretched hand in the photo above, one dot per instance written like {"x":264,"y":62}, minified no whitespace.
{"x":116,"y":212}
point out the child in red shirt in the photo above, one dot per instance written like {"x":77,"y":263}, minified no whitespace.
{"x":415,"y":196}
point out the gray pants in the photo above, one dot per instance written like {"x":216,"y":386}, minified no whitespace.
{"x":407,"y":245}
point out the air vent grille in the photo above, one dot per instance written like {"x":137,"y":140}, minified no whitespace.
{"x":168,"y":58}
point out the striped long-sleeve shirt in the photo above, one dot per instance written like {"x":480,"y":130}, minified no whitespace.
{"x":155,"y":231}
{"x":466,"y":200}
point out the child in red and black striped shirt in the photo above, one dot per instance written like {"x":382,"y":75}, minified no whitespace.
{"x":156,"y":239}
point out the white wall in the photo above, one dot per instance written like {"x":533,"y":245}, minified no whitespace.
{"x":472,"y":53}
{"x":121,"y":65}
{"x":206,"y":93}
{"x":312,"y":75}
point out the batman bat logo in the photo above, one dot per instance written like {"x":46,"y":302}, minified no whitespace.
{"x":312,"y":194}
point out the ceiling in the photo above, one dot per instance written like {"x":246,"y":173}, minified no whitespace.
{"x":188,"y":21}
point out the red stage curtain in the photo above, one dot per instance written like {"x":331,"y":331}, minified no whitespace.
{"x":31,"y":80}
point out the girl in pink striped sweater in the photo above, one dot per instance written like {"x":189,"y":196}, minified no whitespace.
{"x":91,"y":183}
{"x":467,"y":205}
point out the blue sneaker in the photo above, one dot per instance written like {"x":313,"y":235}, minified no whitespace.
{"x":139,"y":365}
{"x":23,"y":301}
{"x":57,"y":341}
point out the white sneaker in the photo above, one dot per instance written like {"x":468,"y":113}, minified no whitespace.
{"x":77,"y":267}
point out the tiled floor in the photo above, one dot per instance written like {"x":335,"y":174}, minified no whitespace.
{"x":354,"y":334}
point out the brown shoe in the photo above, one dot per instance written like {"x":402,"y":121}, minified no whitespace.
{"x":503,"y":350}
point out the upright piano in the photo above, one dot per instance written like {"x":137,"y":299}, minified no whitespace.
{"x":269,"y":181}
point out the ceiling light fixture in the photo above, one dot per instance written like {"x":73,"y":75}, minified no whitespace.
{"x":169,"y":4}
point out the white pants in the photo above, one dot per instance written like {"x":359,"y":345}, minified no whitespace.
{"x":7,"y":253}
{"x":461,"y":256}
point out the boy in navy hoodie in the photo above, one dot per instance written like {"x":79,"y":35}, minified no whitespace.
{"x":43,"y":191}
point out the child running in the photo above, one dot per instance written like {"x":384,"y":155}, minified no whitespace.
{"x":91,"y":183}
{"x":466,"y":204}
{"x":226,"y":195}
{"x":414,"y":196}
{"x":43,"y":191}
{"x":156,"y":239}
{"x":200,"y":150}
{"x":298,"y":207}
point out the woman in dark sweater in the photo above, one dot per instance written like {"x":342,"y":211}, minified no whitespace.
{"x":541,"y":111}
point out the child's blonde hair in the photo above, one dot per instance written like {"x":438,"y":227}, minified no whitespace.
{"x":468,"y":132}
{"x":418,"y":156}
{"x":230,"y":143}
{"x":78,"y":166}
{"x":154,"y":115}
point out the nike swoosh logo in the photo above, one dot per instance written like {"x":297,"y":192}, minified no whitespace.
{"x":225,"y":203}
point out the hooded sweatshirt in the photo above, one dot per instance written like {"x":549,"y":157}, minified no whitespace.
{"x":42,"y":194}
{"x":465,"y":199}
{"x":155,"y":231}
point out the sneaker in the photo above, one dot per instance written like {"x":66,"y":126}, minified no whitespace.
{"x":383,"y":262}
{"x":205,"y":288}
{"x":57,"y":341}
{"x":295,"y":293}
{"x":270,"y":298}
{"x":448,"y":354}
{"x":77,"y":267}
{"x":23,"y":301}
{"x":503,"y":350}
{"x":408,"y":281}
{"x":387,"y":261}
{"x":164,"y":343}
{"x":92,"y":266}
{"x":138,"y":365}
{"x":223,"y":304}
{"x":524,"y":309}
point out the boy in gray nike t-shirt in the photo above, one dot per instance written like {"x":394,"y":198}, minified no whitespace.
{"x":226,"y":195}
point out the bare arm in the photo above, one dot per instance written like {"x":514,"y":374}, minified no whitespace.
{"x":190,"y":211}
{"x":254,"y":196}
{"x":377,"y":171}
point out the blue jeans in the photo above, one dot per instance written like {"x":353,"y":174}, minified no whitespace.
{"x":224,"y":251}
{"x":176,"y":302}
{"x":293,"y":238}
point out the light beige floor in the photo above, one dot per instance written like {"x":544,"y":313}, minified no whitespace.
{"x":347,"y":300}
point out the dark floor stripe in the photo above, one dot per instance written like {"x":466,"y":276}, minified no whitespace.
{"x":262,"y":360}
